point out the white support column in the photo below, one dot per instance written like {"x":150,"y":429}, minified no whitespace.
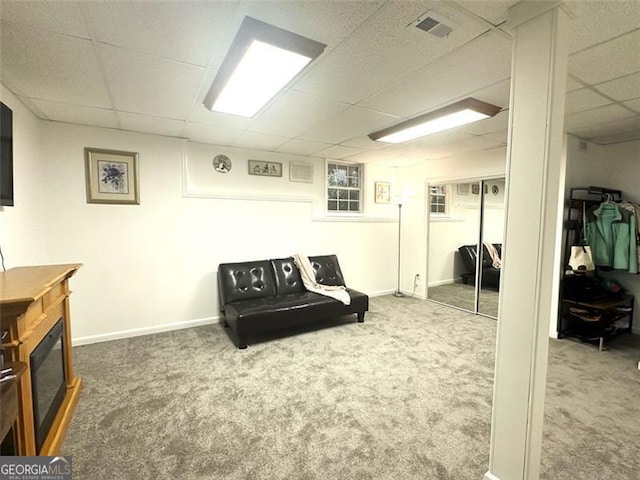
{"x":534,"y":166}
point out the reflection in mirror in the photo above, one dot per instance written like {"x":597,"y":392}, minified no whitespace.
{"x":454,"y":225}
{"x":492,"y":236}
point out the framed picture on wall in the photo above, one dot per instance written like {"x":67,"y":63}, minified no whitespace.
{"x":265,"y":169}
{"x":111,"y":176}
{"x":300,"y":172}
{"x":383,"y":192}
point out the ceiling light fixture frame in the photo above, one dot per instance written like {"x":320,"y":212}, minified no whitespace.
{"x":251,"y":30}
{"x":468,"y":103}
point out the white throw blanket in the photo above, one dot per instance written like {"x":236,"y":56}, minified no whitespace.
{"x":309,"y":281}
{"x":495,"y":256}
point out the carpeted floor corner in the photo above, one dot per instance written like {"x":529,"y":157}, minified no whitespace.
{"x":405,"y":395}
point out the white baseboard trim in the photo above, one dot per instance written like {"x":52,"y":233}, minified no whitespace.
{"x":138,"y":332}
{"x":490,"y":476}
{"x":442,"y":282}
{"x":381,"y":293}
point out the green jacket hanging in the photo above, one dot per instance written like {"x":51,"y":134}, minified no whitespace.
{"x":610,"y":238}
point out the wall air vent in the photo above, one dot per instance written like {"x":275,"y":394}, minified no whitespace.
{"x":435,"y":24}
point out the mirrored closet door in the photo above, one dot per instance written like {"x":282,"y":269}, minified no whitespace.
{"x":463,"y":216}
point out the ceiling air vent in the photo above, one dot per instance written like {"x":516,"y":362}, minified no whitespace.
{"x":434,"y":24}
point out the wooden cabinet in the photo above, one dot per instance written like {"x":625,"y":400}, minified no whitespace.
{"x":32,"y":301}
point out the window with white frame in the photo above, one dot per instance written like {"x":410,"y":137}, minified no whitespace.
{"x":344,"y":187}
{"x":438,"y":200}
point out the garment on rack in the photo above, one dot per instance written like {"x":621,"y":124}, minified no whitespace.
{"x":634,"y":209}
{"x":612,"y":234}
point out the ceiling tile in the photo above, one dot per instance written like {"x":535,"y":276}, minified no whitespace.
{"x":583,"y":99}
{"x":200,"y":114}
{"x":609,"y":60}
{"x":596,"y":116}
{"x":158,"y":27}
{"x":500,"y":137}
{"x":633,"y":104}
{"x":623,"y":88}
{"x":301,"y":147}
{"x":293,"y":113}
{"x":59,"y":17}
{"x":448,"y":78}
{"x":573,"y":85}
{"x":64,"y":112}
{"x":197,"y":132}
{"x":354,"y":122}
{"x":370,"y":59}
{"x":145,"y":84}
{"x":259,"y":141}
{"x":610,"y":129}
{"x":363,"y":142}
{"x":154,"y":125}
{"x":338,"y":152}
{"x":51,"y":66}
{"x":493,"y":11}
{"x":594,"y":22}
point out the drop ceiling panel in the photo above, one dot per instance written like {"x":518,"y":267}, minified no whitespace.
{"x":573,"y":84}
{"x":623,"y":88}
{"x":448,"y":78}
{"x":633,"y":104}
{"x":609,"y":60}
{"x":200,"y":114}
{"x":59,"y":17}
{"x":339,"y":152}
{"x":295,"y":112}
{"x":362,"y":142}
{"x":197,"y":132}
{"x":184,"y":31}
{"x":353,"y":122}
{"x":384,"y":50}
{"x":259,"y":141}
{"x":584,"y":99}
{"x":609,"y":129}
{"x":146,"y":84}
{"x":597,"y":116}
{"x":493,"y":11}
{"x":594,"y":22}
{"x":50,"y":66}
{"x":147,"y":124}
{"x":63,"y":112}
{"x":302,"y":147}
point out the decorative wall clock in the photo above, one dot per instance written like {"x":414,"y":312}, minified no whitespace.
{"x":222,"y":163}
{"x":495,"y":190}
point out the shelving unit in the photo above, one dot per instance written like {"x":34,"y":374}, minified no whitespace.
{"x":615,"y":310}
{"x":616,"y":314}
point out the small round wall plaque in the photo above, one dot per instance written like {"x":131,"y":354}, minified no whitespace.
{"x":222,"y":163}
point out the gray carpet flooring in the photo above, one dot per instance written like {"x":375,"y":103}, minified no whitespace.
{"x":464,"y":296}
{"x":405,"y":395}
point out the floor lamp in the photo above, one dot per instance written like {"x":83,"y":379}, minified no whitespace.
{"x":399,"y":201}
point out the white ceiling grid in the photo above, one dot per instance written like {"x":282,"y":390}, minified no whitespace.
{"x":146,"y":66}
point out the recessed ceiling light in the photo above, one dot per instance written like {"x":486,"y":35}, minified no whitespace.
{"x":262,"y":60}
{"x":460,"y":113}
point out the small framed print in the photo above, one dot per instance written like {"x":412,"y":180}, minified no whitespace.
{"x":111,"y":176}
{"x":463,"y":189}
{"x":265,"y":169}
{"x":383,"y":192}
{"x":300,"y":172}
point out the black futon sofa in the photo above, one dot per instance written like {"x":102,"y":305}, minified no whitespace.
{"x":490,"y":274}
{"x":265,"y":295}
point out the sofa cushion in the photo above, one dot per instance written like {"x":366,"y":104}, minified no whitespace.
{"x":245,"y":281}
{"x":287,"y":276}
{"x":327,"y":270}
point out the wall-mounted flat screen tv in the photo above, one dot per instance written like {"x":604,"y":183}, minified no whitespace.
{"x":6,"y":156}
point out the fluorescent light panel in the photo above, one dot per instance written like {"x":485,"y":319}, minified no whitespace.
{"x":262,"y":60}
{"x":460,"y":113}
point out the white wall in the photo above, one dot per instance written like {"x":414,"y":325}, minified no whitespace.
{"x":152,"y":266}
{"x":23,"y":236}
{"x":413,"y":180}
{"x":612,"y":166}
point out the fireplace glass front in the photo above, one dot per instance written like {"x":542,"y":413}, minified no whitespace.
{"x":48,"y":381}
